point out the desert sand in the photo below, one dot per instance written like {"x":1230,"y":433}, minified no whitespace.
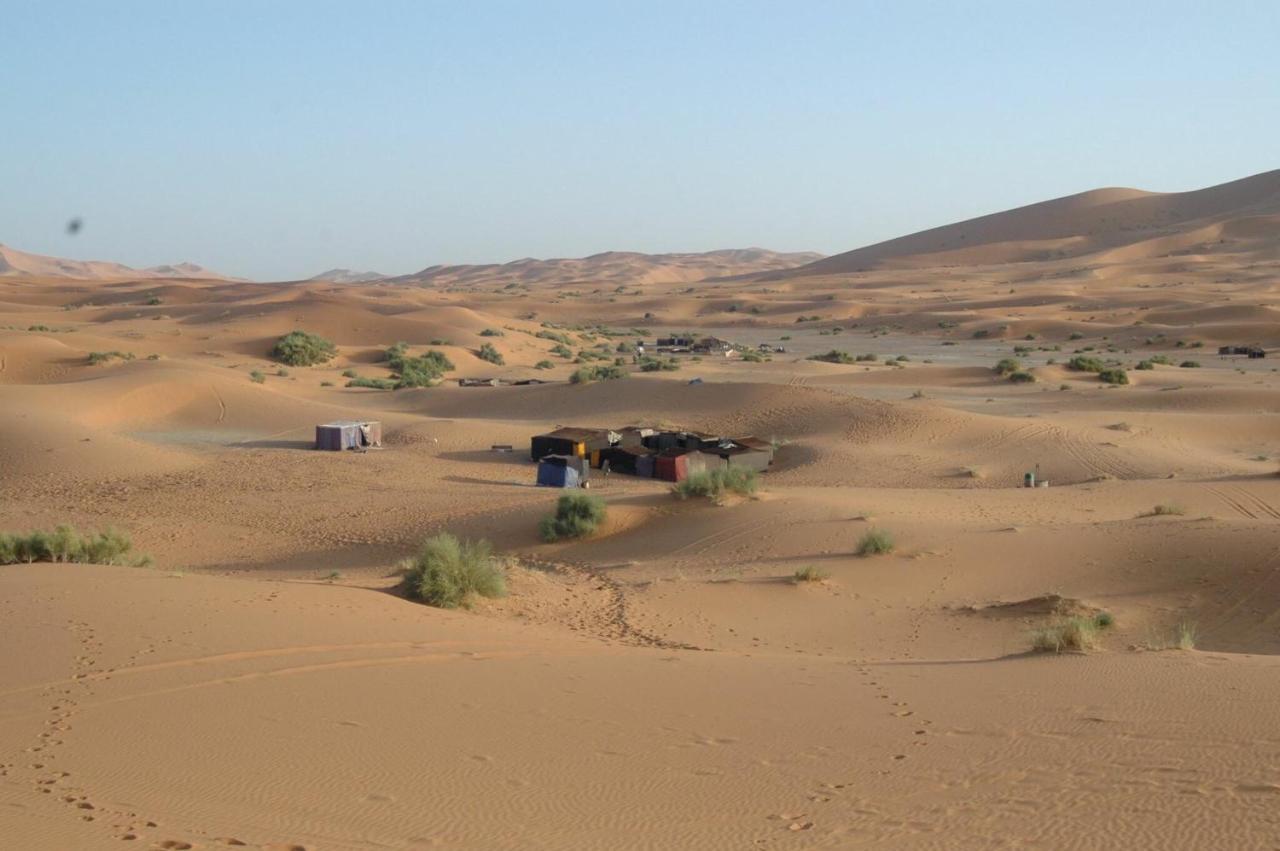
{"x":664,"y":683}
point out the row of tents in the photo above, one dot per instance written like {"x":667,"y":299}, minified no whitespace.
{"x":567,"y":455}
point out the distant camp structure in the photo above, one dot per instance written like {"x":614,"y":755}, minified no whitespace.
{"x":349,"y":434}
{"x":1250,"y":352}
{"x":672,"y":456}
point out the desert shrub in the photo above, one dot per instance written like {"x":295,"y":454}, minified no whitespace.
{"x":350,"y":373}
{"x":449,"y":573}
{"x":491,"y":332}
{"x":1166,"y":509}
{"x":1145,"y":365}
{"x":587,"y":374}
{"x":257,"y":377}
{"x":103,"y":357}
{"x":65,"y":544}
{"x":563,"y":339}
{"x":440,"y":341}
{"x":981,"y":334}
{"x":1072,"y":634}
{"x":544,"y":364}
{"x":713,"y":484}
{"x":488,"y":353}
{"x":562,"y":350}
{"x":1190,"y":364}
{"x":1006,"y":366}
{"x":1184,"y":636}
{"x":420,"y":371}
{"x":833,"y":356}
{"x":652,"y":364}
{"x":1084,"y":363}
{"x":866,"y":358}
{"x":372,"y":383}
{"x":1075,"y":335}
{"x":808,"y":574}
{"x":298,"y":348}
{"x":282,"y":373}
{"x":875,"y":542}
{"x":153,"y":300}
{"x":1114,"y":376}
{"x":39,"y":328}
{"x":326,"y":383}
{"x":577,"y":515}
{"x":1022,"y":377}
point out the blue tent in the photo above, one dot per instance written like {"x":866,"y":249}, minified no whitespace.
{"x":557,"y":471}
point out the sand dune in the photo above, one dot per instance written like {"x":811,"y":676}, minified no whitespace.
{"x":14,"y":262}
{"x":665,"y":682}
{"x":1153,"y":224}
{"x":613,"y":267}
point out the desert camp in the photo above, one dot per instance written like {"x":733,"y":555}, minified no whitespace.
{"x":756,"y":426}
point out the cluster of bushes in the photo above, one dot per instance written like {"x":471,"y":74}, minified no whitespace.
{"x":1079,"y":633}
{"x":65,"y":544}
{"x":420,"y":371}
{"x":834,"y":356}
{"x":713,"y":484}
{"x":491,"y":332}
{"x":488,"y":353}
{"x":563,"y":339}
{"x":450,"y":573}
{"x":577,"y":515}
{"x":652,"y":364}
{"x":1114,"y":375}
{"x":373,"y":383}
{"x":587,"y":374}
{"x":298,"y":348}
{"x":103,"y":357}
{"x":1085,"y":363}
{"x":875,"y":542}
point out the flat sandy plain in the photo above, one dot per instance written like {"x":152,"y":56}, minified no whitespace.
{"x":662,"y":684}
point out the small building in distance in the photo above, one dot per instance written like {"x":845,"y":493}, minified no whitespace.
{"x":676,"y":465}
{"x":1251,"y":352}
{"x":348,"y":434}
{"x":579,"y":442}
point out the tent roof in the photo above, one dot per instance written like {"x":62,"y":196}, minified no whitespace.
{"x":345,"y":423}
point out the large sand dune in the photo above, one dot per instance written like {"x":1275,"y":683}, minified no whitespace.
{"x":663,"y":683}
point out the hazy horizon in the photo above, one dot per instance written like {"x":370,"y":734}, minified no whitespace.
{"x":278,"y":142}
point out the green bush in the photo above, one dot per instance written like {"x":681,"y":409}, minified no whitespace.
{"x":103,"y":357}
{"x":833,"y":356}
{"x":587,"y":374}
{"x":449,"y":573}
{"x":1114,"y":376}
{"x":577,"y":515}
{"x":1072,"y":634}
{"x":373,"y":383}
{"x":875,"y":542}
{"x":421,"y":371}
{"x":257,"y":377}
{"x":652,"y":364}
{"x":65,"y":544}
{"x":1007,"y":366}
{"x":1145,"y":365}
{"x":491,"y":332}
{"x":1190,"y":364}
{"x":808,"y":574}
{"x":713,"y":484}
{"x":1022,"y":377}
{"x":544,"y":364}
{"x":1083,"y":363}
{"x":488,"y":353}
{"x":867,"y":358}
{"x":298,"y":348}
{"x":1168,"y":509}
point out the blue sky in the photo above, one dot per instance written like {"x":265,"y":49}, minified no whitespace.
{"x":274,"y":140}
